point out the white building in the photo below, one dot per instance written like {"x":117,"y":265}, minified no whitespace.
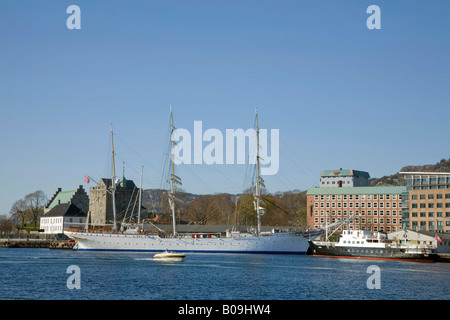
{"x":62,"y":216}
{"x":429,"y":238}
{"x":344,"y":178}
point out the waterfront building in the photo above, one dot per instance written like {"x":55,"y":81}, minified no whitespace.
{"x":439,"y":240}
{"x":427,"y":205}
{"x":346,"y":193}
{"x":344,"y":178}
{"x":78,"y":197}
{"x":65,"y":215}
{"x":377,"y":208}
{"x":100,"y":204}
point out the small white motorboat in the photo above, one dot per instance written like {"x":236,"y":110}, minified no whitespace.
{"x":169,"y":256}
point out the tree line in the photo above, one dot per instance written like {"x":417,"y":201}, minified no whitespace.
{"x":281,"y":209}
{"x":27,"y":210}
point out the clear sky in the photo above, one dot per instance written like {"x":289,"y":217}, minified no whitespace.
{"x":341,"y":95}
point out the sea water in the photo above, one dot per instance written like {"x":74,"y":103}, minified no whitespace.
{"x":44,"y":274}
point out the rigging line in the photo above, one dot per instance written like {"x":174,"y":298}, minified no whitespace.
{"x":128,"y":206}
{"x":295,"y":154}
{"x":198,"y":178}
{"x":289,"y":178}
{"x":266,"y":199}
{"x":307,"y":172}
{"x":136,"y":153}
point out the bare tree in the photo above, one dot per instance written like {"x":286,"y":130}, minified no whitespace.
{"x":20,"y":209}
{"x":36,"y":202}
{"x":6,"y":225}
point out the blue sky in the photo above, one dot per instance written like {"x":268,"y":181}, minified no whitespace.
{"x":342,"y":96}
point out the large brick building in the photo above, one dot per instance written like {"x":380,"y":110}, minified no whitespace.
{"x":337,"y":199}
{"x":378,"y":208}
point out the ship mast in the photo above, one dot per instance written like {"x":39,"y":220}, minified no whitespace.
{"x":173,"y":178}
{"x":259,"y":181}
{"x":113,"y":183}
{"x":140,"y":197}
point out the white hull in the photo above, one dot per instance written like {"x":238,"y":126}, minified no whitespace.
{"x":169,"y":256}
{"x":283,"y":243}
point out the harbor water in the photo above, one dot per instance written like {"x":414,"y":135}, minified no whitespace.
{"x":44,"y":274}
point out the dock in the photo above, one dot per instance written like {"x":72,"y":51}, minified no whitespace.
{"x":443,"y":257}
{"x":37,"y":243}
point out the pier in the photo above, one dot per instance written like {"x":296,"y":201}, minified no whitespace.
{"x":37,"y":243}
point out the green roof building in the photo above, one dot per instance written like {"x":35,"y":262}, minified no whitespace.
{"x":78,"y":197}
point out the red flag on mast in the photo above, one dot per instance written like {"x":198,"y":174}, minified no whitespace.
{"x":86,"y":179}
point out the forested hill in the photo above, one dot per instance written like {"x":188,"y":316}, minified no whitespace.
{"x":397,"y":179}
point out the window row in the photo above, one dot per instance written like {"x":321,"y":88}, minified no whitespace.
{"x":430,"y":196}
{"x":430,"y":205}
{"x":357,"y":205}
{"x":432,"y":225}
{"x":357,"y":197}
{"x":393,"y":221}
{"x":362,"y":212}
{"x":430,"y":214}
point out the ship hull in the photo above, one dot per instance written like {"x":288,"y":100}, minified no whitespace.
{"x":278,"y":243}
{"x":371,"y":253}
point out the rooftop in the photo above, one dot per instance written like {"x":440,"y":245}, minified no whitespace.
{"x":65,"y":209}
{"x":344,"y":173}
{"x":357,"y":190}
{"x":62,"y":197}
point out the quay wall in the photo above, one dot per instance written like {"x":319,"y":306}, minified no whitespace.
{"x":36,"y":243}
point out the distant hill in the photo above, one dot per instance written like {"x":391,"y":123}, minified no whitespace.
{"x":398,"y":180}
{"x":155,"y":199}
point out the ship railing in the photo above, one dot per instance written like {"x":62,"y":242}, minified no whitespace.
{"x":324,"y":243}
{"x":410,"y":246}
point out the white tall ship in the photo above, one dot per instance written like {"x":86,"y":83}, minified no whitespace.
{"x":134,"y":240}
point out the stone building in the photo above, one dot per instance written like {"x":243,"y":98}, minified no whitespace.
{"x":100,"y":204}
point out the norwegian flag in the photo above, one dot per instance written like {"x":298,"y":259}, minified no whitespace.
{"x":438,"y":238}
{"x":86,"y":179}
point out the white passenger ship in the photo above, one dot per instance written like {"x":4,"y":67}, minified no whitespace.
{"x":230,"y":242}
{"x":360,"y":244}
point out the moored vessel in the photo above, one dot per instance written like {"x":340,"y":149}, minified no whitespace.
{"x":254,"y":241}
{"x":360,"y":244}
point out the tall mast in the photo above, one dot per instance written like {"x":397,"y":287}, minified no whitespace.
{"x":173,"y":178}
{"x":113,"y":183}
{"x":259,"y":180}
{"x":140,"y":197}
